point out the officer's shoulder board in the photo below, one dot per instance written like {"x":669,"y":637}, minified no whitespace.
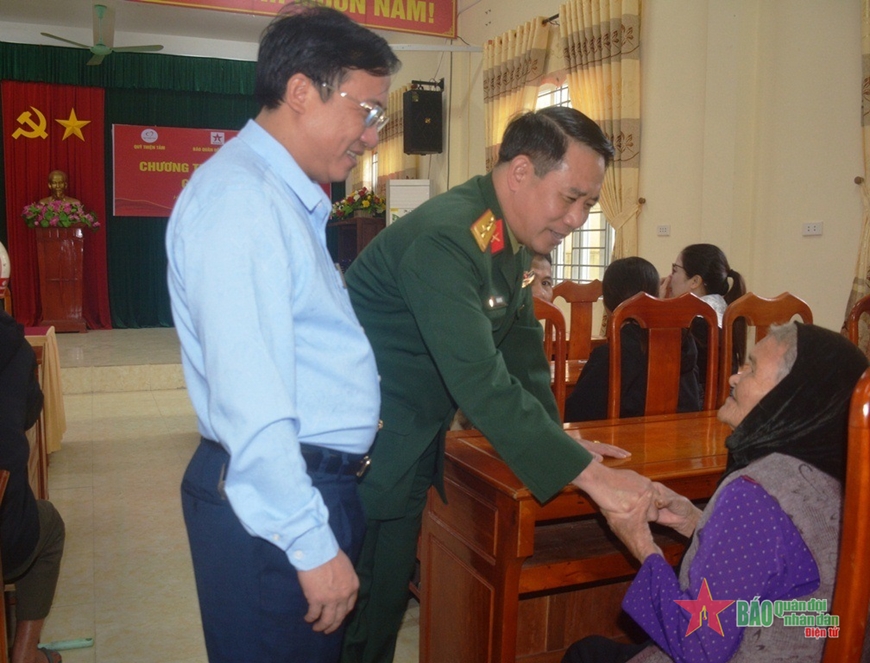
{"x":488,"y":230}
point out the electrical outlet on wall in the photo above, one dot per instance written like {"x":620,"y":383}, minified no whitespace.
{"x":663,"y":230}
{"x":813,"y":229}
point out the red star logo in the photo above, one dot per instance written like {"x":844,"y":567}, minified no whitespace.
{"x":704,"y":608}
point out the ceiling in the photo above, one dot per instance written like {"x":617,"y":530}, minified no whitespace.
{"x":136,"y":17}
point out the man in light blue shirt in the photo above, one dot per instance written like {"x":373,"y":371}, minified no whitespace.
{"x":280,"y":373}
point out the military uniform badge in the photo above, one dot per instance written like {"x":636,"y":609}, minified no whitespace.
{"x":488,"y":231}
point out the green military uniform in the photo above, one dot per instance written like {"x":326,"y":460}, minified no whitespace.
{"x":440,"y":295}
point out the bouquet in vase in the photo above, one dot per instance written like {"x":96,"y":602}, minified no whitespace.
{"x":58,"y":214}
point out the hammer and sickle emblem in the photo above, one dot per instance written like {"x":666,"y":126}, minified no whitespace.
{"x":37,"y":130}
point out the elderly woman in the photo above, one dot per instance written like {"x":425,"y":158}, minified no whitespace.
{"x":770,"y":531}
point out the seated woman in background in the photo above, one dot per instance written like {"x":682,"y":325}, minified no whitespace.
{"x":623,"y":279}
{"x":703,"y":270}
{"x":772,"y":528}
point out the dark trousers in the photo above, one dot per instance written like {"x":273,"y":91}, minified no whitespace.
{"x":385,"y":567}
{"x":36,"y":579}
{"x":597,"y":649}
{"x":250,"y":599}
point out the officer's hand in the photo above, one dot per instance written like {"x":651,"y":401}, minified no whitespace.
{"x":599,"y":449}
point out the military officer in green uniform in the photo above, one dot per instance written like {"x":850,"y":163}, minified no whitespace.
{"x":442,"y":296}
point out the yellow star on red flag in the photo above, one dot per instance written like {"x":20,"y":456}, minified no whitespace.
{"x":73,"y":125}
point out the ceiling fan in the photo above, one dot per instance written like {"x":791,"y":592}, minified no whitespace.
{"x":104,"y":36}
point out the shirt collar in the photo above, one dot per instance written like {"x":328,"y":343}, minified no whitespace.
{"x":309,"y":193}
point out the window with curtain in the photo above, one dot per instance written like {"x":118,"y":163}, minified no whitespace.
{"x":365,"y":174}
{"x":584,"y":254}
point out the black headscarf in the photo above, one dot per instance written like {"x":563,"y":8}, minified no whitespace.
{"x":806,"y":414}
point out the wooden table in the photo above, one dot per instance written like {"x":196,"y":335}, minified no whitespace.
{"x":46,"y":435}
{"x":505,"y":578}
{"x":50,"y":381}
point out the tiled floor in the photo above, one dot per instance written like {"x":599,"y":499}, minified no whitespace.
{"x":126,"y":578}
{"x":120,"y":360}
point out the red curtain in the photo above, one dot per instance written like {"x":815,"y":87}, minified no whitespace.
{"x":36,"y":143}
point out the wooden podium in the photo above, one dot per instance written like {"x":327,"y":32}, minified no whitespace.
{"x":61,"y":256}
{"x":355,"y":233}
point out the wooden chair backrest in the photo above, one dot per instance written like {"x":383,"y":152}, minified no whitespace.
{"x":861,"y":306}
{"x":666,"y":320}
{"x":761,"y":313}
{"x":555,"y":345}
{"x":4,"y":636}
{"x":581,"y":297}
{"x":851,"y":589}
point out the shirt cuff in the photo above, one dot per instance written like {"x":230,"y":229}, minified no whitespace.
{"x":314,"y":548}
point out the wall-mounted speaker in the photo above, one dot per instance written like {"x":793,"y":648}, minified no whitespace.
{"x":423,"y":126}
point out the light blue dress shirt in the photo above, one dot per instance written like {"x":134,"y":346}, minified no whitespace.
{"x":272,"y":351}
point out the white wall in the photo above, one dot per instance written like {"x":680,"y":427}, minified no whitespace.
{"x":751,"y":127}
{"x":29,"y":33}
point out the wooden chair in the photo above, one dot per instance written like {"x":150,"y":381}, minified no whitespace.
{"x":555,"y":346}
{"x":759,"y":312}
{"x":4,"y":635}
{"x":851,"y":589}
{"x":581,"y":297}
{"x":861,"y":306}
{"x":666,"y":320}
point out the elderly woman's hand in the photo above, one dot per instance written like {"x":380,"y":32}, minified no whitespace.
{"x":614,"y":490}
{"x":632,"y":527}
{"x":675,"y":511}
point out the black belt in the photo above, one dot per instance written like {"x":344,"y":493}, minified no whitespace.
{"x":321,"y":459}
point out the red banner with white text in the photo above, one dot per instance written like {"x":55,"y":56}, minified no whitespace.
{"x":424,"y":17}
{"x":54,"y":127}
{"x":153,"y":164}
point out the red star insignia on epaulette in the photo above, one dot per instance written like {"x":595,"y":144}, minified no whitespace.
{"x":497,"y":241}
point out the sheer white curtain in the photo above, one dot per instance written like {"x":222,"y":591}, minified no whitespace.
{"x":513,"y":65}
{"x":861,"y":283}
{"x":601,"y":45}
{"x":393,"y":163}
{"x":360,"y":174}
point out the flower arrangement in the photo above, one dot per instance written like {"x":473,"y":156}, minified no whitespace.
{"x":58,"y":214}
{"x":363,"y":199}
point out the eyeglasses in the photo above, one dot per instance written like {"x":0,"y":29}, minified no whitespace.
{"x":376,"y":115}
{"x":675,"y":267}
